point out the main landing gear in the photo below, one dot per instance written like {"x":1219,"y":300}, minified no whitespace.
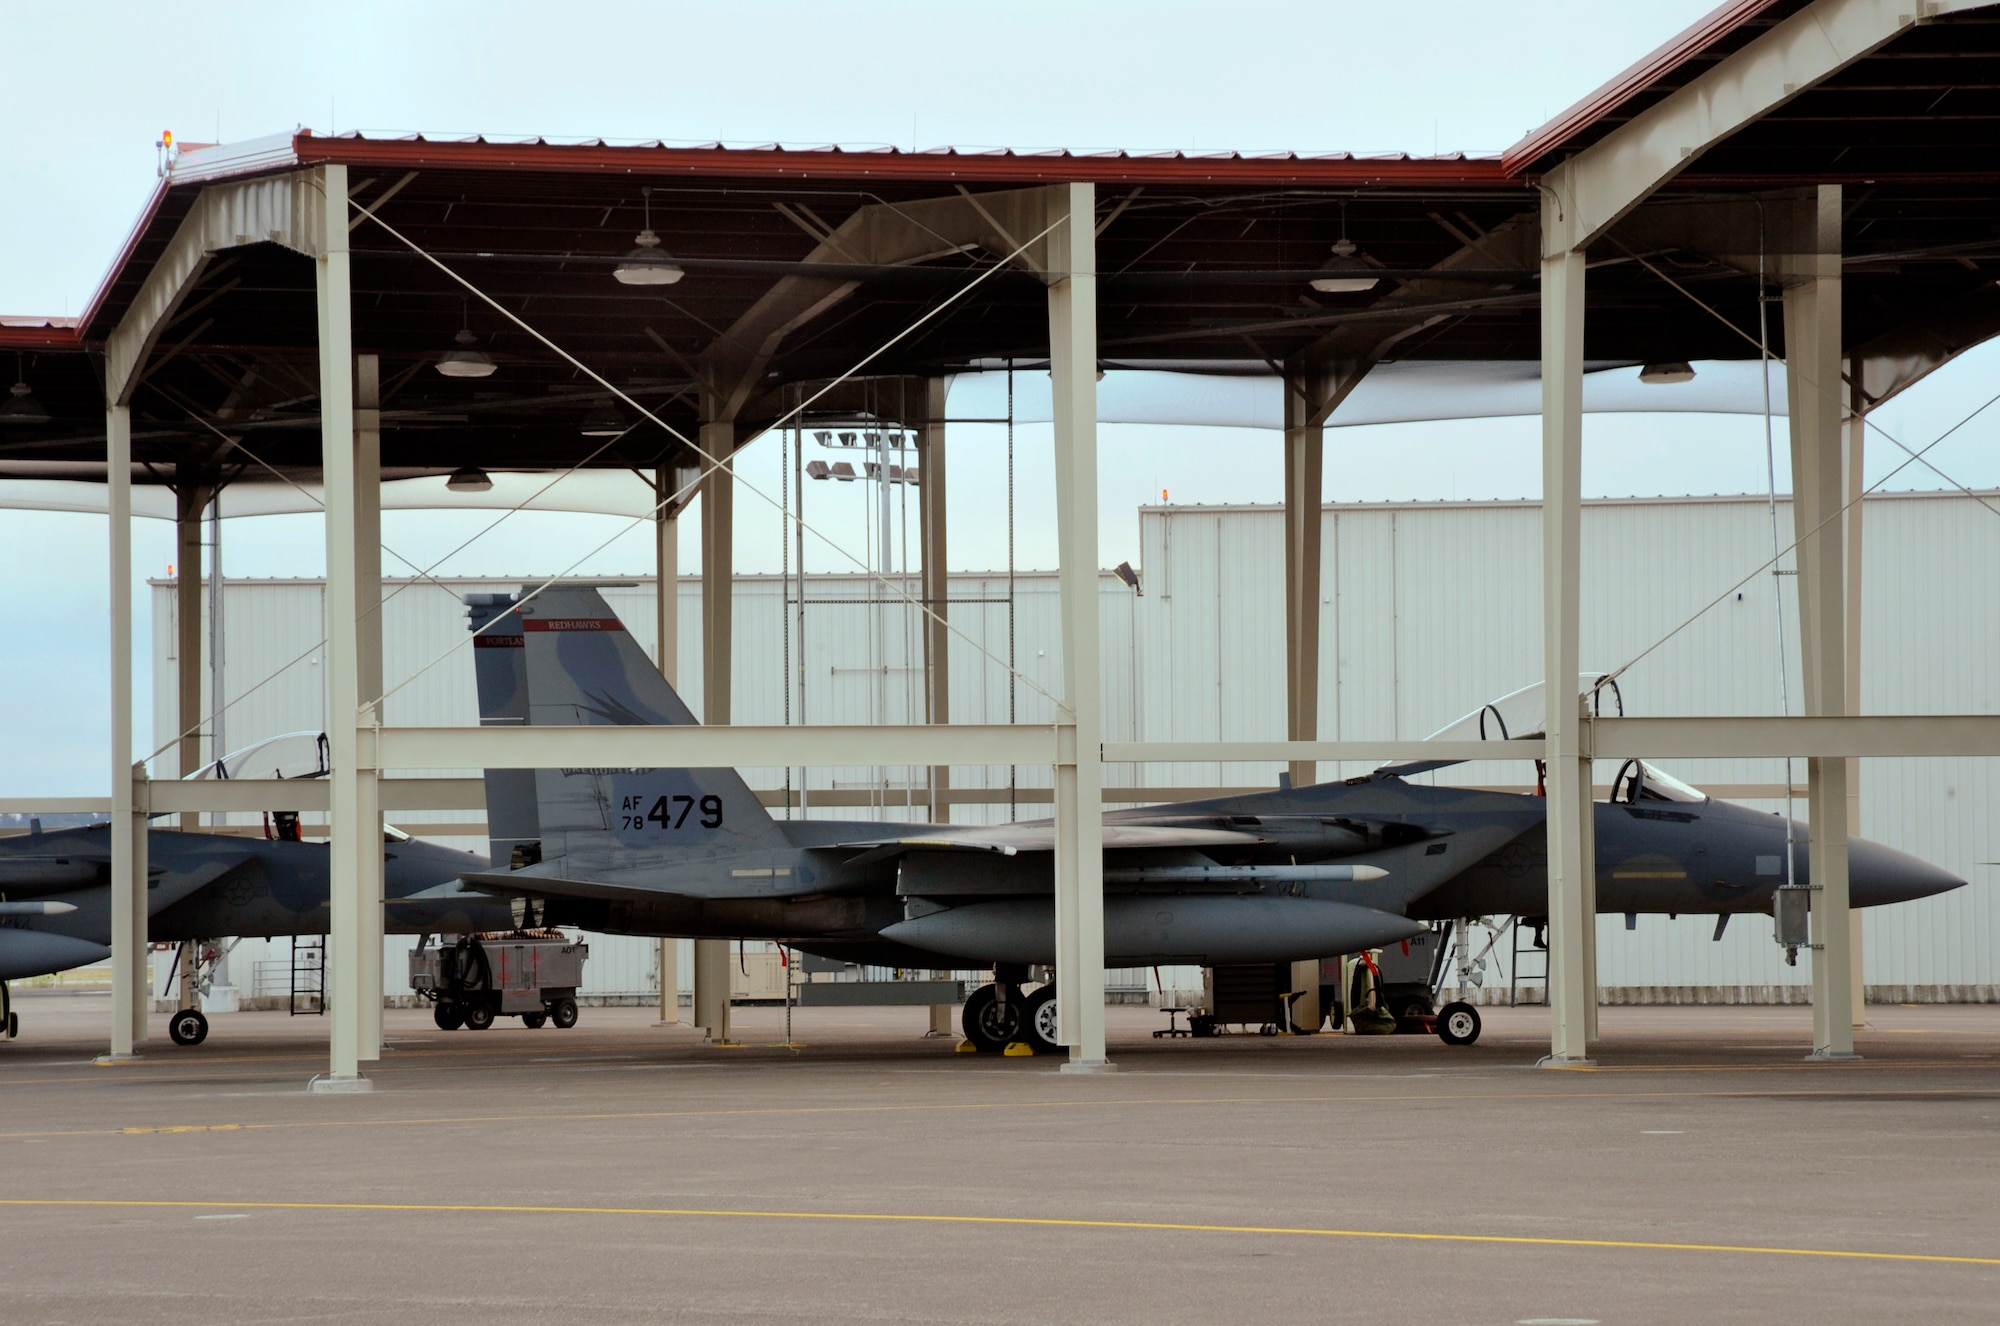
{"x":10,"y":1021}
{"x":1000,"y":1015}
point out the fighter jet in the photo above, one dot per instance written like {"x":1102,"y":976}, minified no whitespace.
{"x":55,"y":896}
{"x":1278,"y":876}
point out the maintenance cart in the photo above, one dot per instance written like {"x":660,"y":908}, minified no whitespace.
{"x":472,"y":979}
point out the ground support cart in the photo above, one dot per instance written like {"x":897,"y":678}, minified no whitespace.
{"x":472,"y":979}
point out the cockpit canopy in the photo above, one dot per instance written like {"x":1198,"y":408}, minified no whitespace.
{"x":1638,"y":782}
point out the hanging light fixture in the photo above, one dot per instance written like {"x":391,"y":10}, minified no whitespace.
{"x":469,"y":479}
{"x":648,"y":264}
{"x":465,"y":361}
{"x":1344,"y":273}
{"x":21,"y":407}
{"x":603,"y":421}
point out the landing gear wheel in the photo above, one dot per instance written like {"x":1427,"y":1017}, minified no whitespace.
{"x":990,"y":1025}
{"x":13,"y":1025}
{"x":447,"y":1015}
{"x":1458,"y":1023}
{"x":562,"y":1012}
{"x":478,"y":1017}
{"x":187,"y":1027}
{"x":534,"y":1020}
{"x":1039,"y":1019}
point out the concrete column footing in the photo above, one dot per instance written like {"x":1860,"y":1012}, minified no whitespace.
{"x":327,"y":1084}
{"x":1088,"y":1066}
{"x":1564,"y":1061}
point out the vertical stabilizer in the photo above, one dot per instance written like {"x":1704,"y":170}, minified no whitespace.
{"x":584,"y":669}
{"x":500,"y":666}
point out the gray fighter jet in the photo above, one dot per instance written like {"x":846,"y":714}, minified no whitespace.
{"x":55,"y":898}
{"x":1277,"y":876}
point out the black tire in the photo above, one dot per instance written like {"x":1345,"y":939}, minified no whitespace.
{"x":187,"y":1027}
{"x":562,"y":1012}
{"x":1038,"y":1025}
{"x":478,"y":1017}
{"x":13,"y":1025}
{"x":448,"y":1015}
{"x":1458,"y":1023}
{"x":990,"y":1026}
{"x":534,"y":1020}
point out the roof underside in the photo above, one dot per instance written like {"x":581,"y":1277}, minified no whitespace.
{"x":1203,"y":261}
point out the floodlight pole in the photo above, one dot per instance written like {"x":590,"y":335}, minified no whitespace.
{"x":1819,"y":480}
{"x":1079,"y":775}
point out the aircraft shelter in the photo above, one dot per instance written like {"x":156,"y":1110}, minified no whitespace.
{"x":281,"y":307}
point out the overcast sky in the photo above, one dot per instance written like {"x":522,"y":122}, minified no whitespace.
{"x":90,"y":88}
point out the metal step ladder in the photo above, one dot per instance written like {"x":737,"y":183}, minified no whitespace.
{"x":1533,"y":952}
{"x":308,"y":974}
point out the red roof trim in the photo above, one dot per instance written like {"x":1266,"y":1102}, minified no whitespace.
{"x":892,"y":164}
{"x":51,"y":335}
{"x":1664,"y":60}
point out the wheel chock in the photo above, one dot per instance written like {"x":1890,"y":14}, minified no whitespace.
{"x":965,"y":1047}
{"x":1018,"y":1050}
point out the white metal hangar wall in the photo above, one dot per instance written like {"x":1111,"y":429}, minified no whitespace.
{"x":1428,"y":610}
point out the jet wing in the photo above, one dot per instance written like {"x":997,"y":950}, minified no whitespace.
{"x":1040,"y":836}
{"x":505,"y":883}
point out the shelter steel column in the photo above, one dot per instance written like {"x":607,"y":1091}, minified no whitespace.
{"x":346,"y":875}
{"x":666,"y":653}
{"x":1571,"y":983}
{"x":128,"y":893}
{"x":932,"y":543}
{"x":1305,"y":453}
{"x":1854,"y":458}
{"x":936,"y":580}
{"x":190,"y":499}
{"x":718,"y":562}
{"x":368,"y":639}
{"x":1079,"y":778}
{"x":1819,"y":478}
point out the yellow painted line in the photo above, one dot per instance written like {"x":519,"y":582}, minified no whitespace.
{"x":1113,"y":1103}
{"x":1042,"y":1222}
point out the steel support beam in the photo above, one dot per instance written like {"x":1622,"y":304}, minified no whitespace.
{"x":718,"y":562}
{"x":1305,"y":453}
{"x":190,"y":499}
{"x":1572,"y":984}
{"x":932,"y":543}
{"x":1593,"y":189}
{"x":346,"y":799}
{"x":1819,"y":483}
{"x":368,"y":641}
{"x":128,"y":831}
{"x":1853,"y":457}
{"x":666,"y":654}
{"x":1079,"y":858}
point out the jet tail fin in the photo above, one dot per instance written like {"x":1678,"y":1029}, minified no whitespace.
{"x":500,"y":667}
{"x":583,"y":669}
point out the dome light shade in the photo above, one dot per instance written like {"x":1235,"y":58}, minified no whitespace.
{"x":648,"y":264}
{"x":1345,"y":274}
{"x":465,"y":362}
{"x":21,"y":407}
{"x":1660,"y":375}
{"x":469,"y":479}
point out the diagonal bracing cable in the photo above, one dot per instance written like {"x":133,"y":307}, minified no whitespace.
{"x":711,"y":462}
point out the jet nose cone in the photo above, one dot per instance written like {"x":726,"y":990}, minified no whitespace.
{"x":1877,"y":875}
